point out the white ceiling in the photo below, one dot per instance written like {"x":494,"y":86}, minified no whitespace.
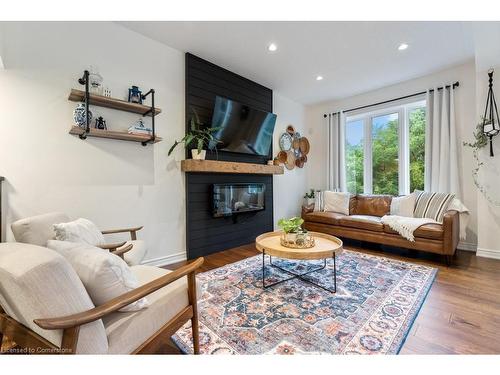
{"x":353,"y":57}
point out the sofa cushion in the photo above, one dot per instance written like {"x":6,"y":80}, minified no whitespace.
{"x":337,"y":202}
{"x":127,"y":331}
{"x":37,"y":230}
{"x":372,"y":205}
{"x":352,"y":204}
{"x":404,"y":205}
{"x":366,"y":222}
{"x":429,"y":231}
{"x":432,"y":205}
{"x":36,"y":283}
{"x":332,"y":218}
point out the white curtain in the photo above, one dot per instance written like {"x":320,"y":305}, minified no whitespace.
{"x":336,"y":179}
{"x":441,"y":156}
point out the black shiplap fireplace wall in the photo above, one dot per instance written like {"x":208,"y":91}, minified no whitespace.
{"x":204,"y":233}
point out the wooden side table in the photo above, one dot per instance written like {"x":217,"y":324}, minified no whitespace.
{"x":325,"y":247}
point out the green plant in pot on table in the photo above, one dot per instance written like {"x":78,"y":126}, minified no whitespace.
{"x":293,"y":231}
{"x":200,"y":136}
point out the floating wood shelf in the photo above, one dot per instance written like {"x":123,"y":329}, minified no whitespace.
{"x":214,"y":166}
{"x":121,"y":135}
{"x":104,"y":101}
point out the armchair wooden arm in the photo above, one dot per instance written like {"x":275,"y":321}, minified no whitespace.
{"x":112,"y":246}
{"x":115,"y":248}
{"x":117,"y":303}
{"x":122,"y":250}
{"x":132,"y":231}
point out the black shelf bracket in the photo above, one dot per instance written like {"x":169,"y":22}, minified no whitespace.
{"x":85,"y":81}
{"x":151,"y":111}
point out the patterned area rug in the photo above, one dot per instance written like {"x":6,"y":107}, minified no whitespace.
{"x":376,"y":302}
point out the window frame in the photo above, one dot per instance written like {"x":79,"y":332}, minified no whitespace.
{"x":403,"y":110}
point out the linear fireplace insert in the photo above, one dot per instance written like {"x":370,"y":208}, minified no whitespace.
{"x":230,"y":199}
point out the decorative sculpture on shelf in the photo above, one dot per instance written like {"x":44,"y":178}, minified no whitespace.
{"x":135,"y":95}
{"x":100,"y":123}
{"x":491,"y":127}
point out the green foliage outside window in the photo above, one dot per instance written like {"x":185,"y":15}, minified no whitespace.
{"x":417,"y":149}
{"x":354,"y":168}
{"x":385,"y":162}
{"x":385,"y":146}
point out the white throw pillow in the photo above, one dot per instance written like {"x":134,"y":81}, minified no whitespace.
{"x":81,"y":231}
{"x":403,"y":206}
{"x":337,"y":202}
{"x":104,"y":275}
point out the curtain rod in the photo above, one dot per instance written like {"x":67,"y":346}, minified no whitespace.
{"x":456,"y":84}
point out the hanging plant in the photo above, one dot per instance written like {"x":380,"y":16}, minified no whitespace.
{"x":481,"y":141}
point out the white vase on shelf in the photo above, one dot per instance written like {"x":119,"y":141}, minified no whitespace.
{"x":198,"y":155}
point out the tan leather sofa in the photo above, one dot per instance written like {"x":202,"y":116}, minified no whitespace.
{"x":363,"y":223}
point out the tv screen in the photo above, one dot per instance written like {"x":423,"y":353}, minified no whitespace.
{"x":242,"y":129}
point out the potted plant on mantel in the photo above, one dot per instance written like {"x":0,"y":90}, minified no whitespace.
{"x":199,"y":136}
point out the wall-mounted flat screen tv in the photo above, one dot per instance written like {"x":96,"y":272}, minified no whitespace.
{"x":242,"y":129}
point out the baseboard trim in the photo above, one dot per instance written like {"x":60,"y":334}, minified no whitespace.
{"x":488,"y":253}
{"x":166,"y":260}
{"x":467,"y":246}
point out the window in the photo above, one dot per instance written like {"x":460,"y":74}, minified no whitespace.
{"x":416,"y":120}
{"x":354,"y":156}
{"x":385,"y":154}
{"x":385,"y":150}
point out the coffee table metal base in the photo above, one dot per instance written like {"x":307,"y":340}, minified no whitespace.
{"x":298,"y":276}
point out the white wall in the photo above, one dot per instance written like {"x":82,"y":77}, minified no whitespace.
{"x":113,"y":183}
{"x":466,"y":120}
{"x":290,"y":187}
{"x":489,"y":176}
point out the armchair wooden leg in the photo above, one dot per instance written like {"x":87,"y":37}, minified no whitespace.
{"x":70,"y":340}
{"x":194,"y":320}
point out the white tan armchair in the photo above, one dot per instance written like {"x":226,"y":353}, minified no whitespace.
{"x":37,"y":230}
{"x":45,"y":308}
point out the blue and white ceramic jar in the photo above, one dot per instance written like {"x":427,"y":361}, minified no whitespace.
{"x":79,"y":115}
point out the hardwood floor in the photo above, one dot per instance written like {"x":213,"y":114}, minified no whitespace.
{"x":461,"y":314}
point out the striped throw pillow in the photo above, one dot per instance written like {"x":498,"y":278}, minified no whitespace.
{"x":319,"y":201}
{"x":432,"y":205}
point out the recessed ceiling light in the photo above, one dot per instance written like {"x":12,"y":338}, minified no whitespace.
{"x":272,"y":47}
{"x":403,"y":46}
{"x":319,"y":78}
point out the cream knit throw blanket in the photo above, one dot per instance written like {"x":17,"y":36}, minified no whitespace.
{"x":405,"y":226}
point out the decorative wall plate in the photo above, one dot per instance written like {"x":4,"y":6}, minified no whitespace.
{"x":282,"y":156}
{"x":304,"y":145}
{"x":286,"y":142}
{"x":299,"y":162}
{"x":290,"y":160}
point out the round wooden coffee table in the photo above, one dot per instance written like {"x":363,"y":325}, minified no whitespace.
{"x":325,"y":247}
